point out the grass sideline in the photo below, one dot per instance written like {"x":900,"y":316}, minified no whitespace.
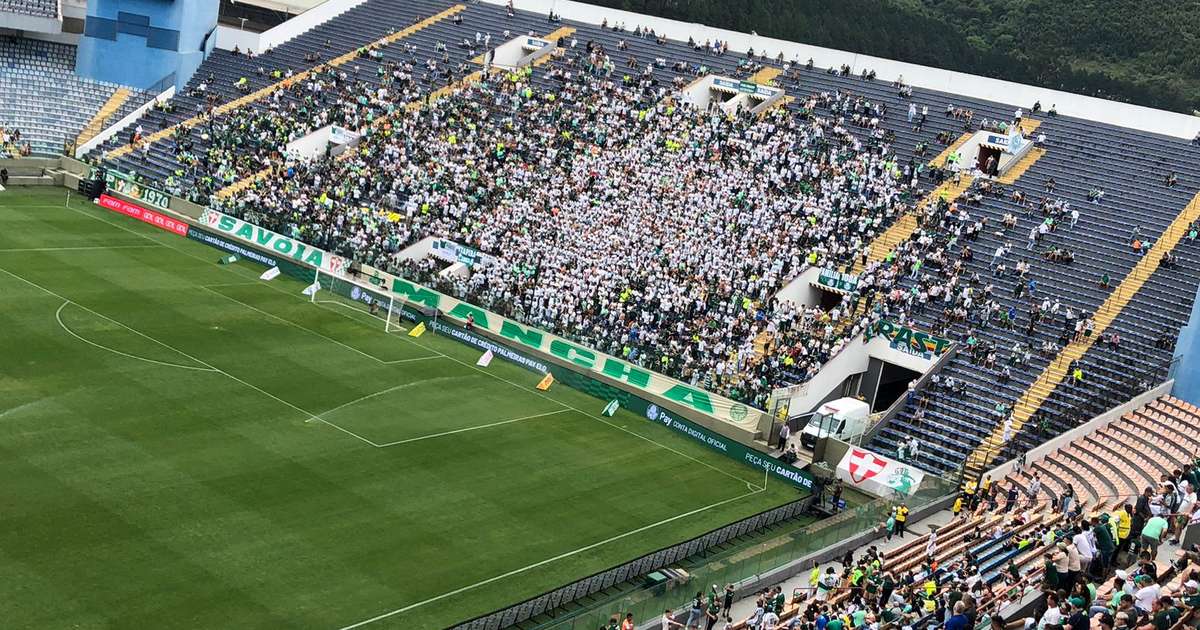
{"x":188,"y":446}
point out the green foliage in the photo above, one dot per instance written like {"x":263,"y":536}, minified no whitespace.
{"x":1146,"y":52}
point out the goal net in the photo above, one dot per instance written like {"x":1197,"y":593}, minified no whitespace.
{"x":364,"y":298}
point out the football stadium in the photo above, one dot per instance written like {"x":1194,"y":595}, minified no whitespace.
{"x":550,"y":315}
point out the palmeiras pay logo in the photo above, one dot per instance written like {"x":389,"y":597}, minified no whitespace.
{"x":355,"y":293}
{"x":653,"y":413}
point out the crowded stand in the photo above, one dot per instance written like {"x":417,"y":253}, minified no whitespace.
{"x":1110,"y":558}
{"x":601,"y":204}
{"x":596,"y":237}
{"x":618,"y":216}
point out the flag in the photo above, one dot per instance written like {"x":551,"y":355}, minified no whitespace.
{"x":312,"y":288}
{"x":270,"y":274}
{"x":485,"y":360}
{"x":611,"y":408}
{"x":417,"y":330}
{"x":546,"y":382}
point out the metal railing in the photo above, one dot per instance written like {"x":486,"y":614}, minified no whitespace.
{"x":744,"y":566}
{"x":1099,"y":397}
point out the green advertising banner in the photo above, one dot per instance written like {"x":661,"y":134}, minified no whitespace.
{"x":126,"y":185}
{"x":284,"y":246}
{"x":837,"y":280}
{"x":299,"y":272}
{"x":915,"y":342}
{"x":639,"y":379}
{"x":652,"y":412}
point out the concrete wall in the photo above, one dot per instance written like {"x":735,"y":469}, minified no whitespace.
{"x":1095,"y":424}
{"x":228,"y":37}
{"x":138,"y":42}
{"x":801,"y":290}
{"x":1015,"y":94}
{"x":1187,"y":354}
{"x":854,"y":358}
{"x":33,"y":23}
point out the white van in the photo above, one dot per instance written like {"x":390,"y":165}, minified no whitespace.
{"x":842,"y":418}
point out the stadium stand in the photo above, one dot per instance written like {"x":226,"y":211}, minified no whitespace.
{"x":40,"y":8}
{"x":922,"y":233}
{"x":41,"y":97}
{"x":1017,"y":537}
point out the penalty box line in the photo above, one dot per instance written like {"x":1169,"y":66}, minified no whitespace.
{"x":535,"y":565}
{"x":313,"y":332}
{"x":182,"y":353}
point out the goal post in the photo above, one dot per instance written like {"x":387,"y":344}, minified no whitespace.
{"x":363,"y":298}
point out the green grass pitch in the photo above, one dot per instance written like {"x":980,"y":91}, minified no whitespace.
{"x":183,"y":445}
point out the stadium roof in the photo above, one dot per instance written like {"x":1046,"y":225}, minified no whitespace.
{"x":286,"y":6}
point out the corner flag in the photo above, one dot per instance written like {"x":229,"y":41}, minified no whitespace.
{"x":417,"y":330}
{"x":312,"y":288}
{"x":546,"y":382}
{"x":611,"y":408}
{"x":485,"y":360}
{"x":270,"y":274}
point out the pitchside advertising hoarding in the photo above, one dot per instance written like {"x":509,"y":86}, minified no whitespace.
{"x":583,"y":358}
{"x":878,"y":475}
{"x":282,"y":245}
{"x":145,"y":215}
{"x":415,"y":302}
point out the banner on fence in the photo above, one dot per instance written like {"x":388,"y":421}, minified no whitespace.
{"x":642,"y":380}
{"x":878,"y":475}
{"x":278,"y":243}
{"x":914,"y":342}
{"x":126,"y":185}
{"x":838,"y":281}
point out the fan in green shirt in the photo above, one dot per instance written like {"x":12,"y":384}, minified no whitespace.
{"x":1165,"y":618}
{"x":835,"y":624}
{"x":778,"y":602}
{"x":1154,"y":527}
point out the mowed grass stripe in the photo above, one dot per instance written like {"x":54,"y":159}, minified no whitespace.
{"x":171,"y":499}
{"x":359,"y":338}
{"x":51,"y":227}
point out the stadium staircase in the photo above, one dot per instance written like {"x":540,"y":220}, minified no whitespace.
{"x":902,"y":230}
{"x":766,"y":76}
{"x":1055,"y":374}
{"x":298,"y":77}
{"x":103,"y":115}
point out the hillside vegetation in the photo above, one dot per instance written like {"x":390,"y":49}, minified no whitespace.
{"x":1146,"y":52}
